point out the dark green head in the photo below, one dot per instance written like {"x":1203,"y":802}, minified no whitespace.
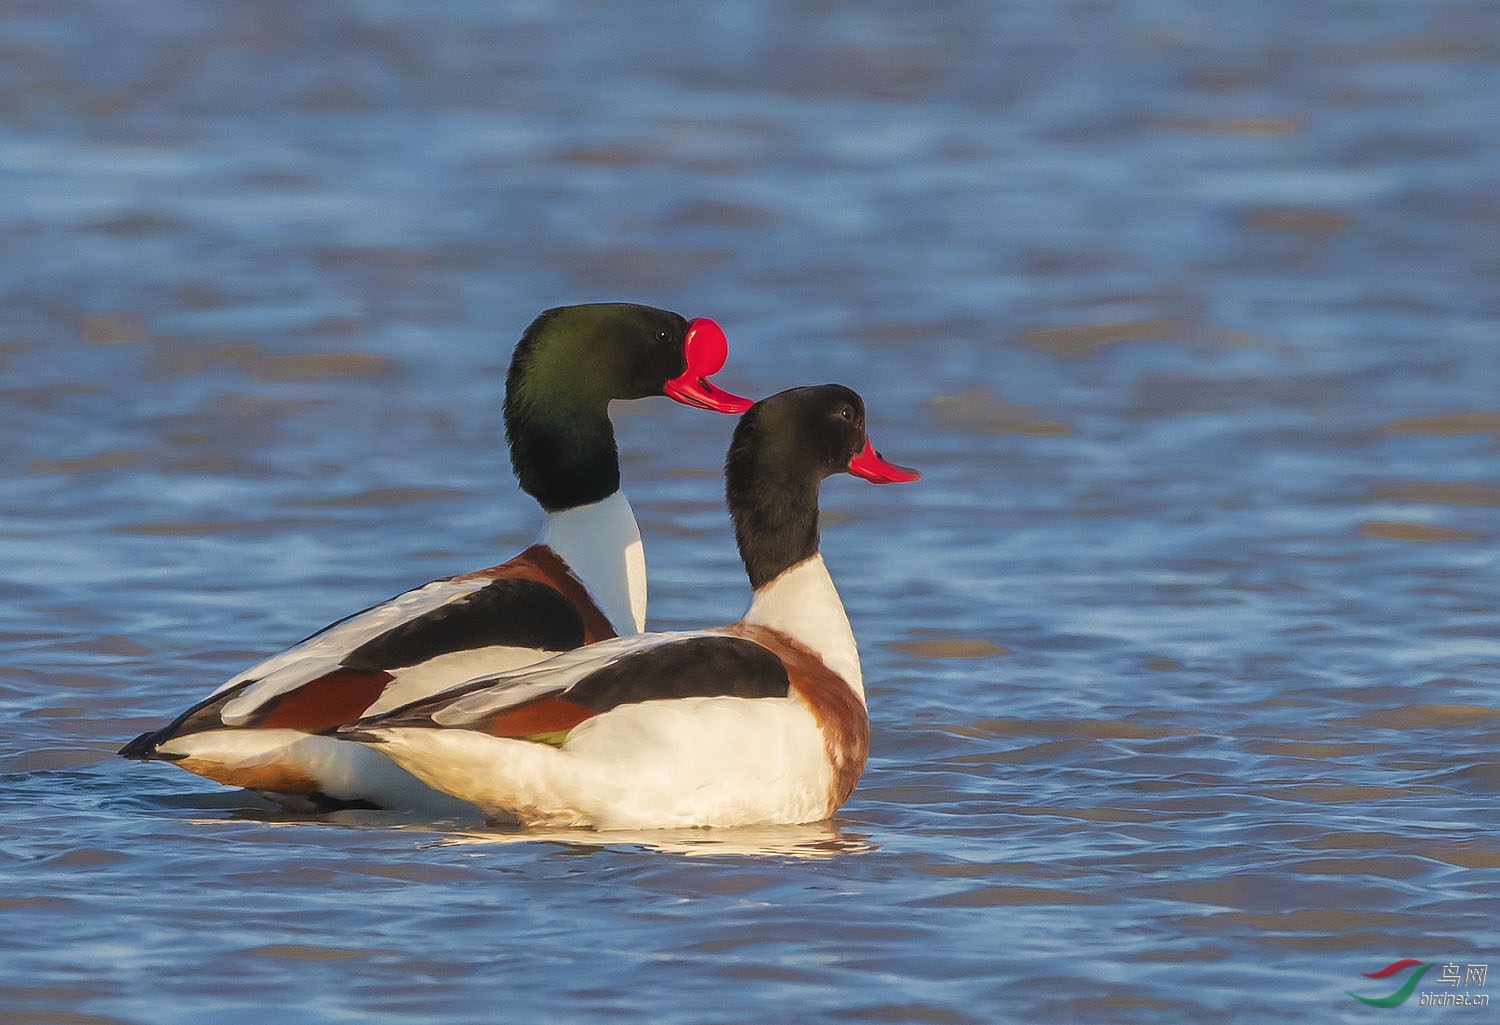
{"x":567,"y":367}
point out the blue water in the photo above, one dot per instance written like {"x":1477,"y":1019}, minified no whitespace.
{"x":1182,"y":657}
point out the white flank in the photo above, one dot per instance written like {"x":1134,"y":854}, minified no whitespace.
{"x":344,"y":771}
{"x":803,"y":604}
{"x":654,"y":765}
{"x":601,"y":544}
{"x":322,"y":653}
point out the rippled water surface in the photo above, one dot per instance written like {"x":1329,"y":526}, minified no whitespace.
{"x":1182,"y":657}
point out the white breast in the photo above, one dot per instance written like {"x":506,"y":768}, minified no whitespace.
{"x":601,"y":543}
{"x":803,"y":604}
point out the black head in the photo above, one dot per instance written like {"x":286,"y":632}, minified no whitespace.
{"x":801,"y":433}
{"x":782,"y":450}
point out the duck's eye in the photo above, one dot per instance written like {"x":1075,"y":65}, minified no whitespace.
{"x":846,"y":413}
{"x":661,"y":336}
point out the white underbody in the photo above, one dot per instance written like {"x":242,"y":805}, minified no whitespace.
{"x":345,"y":771}
{"x":653,"y":765}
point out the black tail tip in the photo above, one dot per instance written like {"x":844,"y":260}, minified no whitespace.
{"x":142,"y":748}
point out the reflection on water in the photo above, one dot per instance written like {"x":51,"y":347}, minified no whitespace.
{"x":815,"y":840}
{"x":1181,"y":658}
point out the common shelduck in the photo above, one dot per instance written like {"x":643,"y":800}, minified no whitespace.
{"x":762,"y":721}
{"x":582,"y":581}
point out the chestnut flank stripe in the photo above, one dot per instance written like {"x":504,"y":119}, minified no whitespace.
{"x":272,"y":777}
{"x":546,"y":714}
{"x":333,"y":699}
{"x":838,"y":711}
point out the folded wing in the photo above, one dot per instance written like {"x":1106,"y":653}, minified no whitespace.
{"x":425,"y":640}
{"x":544,"y":701}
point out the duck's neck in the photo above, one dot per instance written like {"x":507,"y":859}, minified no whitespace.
{"x":773,"y":500}
{"x":562,"y":444}
{"x":803,"y":604}
{"x":564,"y":455}
{"x":601,"y":544}
{"x":775,"y":513}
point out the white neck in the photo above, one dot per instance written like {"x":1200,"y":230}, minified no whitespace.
{"x":602,"y":545}
{"x":803,"y":604}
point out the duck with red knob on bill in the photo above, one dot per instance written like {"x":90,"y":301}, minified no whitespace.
{"x":761,"y":721}
{"x":584,"y":580}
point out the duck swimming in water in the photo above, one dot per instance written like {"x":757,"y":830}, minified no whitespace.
{"x":584,"y":580}
{"x":761,"y":721}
